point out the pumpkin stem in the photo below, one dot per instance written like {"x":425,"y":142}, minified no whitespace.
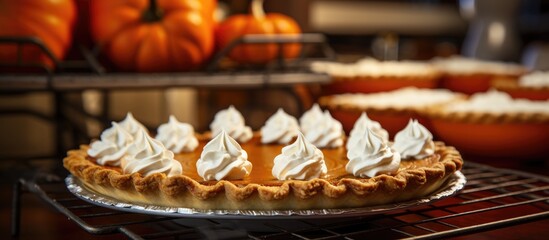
{"x":153,"y":13}
{"x":257,"y":9}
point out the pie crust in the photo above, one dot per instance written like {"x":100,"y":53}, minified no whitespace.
{"x":414,"y":179}
{"x":369,"y":75}
{"x":467,"y":75}
{"x":366,"y":84}
{"x":512,"y":87}
{"x":392,"y":118}
{"x":502,"y":135}
{"x":470,"y":83}
{"x":440,"y":112}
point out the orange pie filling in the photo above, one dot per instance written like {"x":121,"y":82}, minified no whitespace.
{"x":260,"y":190}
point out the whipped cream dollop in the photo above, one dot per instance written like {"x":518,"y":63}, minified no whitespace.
{"x":177,"y":136}
{"x":370,"y":155}
{"x":223,"y":158}
{"x":404,"y":98}
{"x":300,"y":160}
{"x":414,"y":141}
{"x":232,"y":121}
{"x":279,"y":128}
{"x":496,"y":102}
{"x":307,"y":120}
{"x":131,"y":125}
{"x":537,"y":79}
{"x":326,"y":133}
{"x":112,"y":147}
{"x":371,"y":67}
{"x":148,"y":156}
{"x":462,"y":65}
{"x":359,"y":129}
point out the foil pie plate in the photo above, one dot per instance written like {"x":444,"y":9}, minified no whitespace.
{"x":455,"y":183}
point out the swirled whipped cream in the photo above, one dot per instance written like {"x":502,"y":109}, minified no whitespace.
{"x":359,"y":129}
{"x":462,"y":65}
{"x":279,"y":128}
{"x":223,"y":158}
{"x":300,"y":160}
{"x":308,"y":118}
{"x":131,"y":125}
{"x":414,"y":141}
{"x":177,"y":136}
{"x":496,"y":102}
{"x":370,"y":155}
{"x":232,"y":121}
{"x":148,"y":156}
{"x":327,"y":132}
{"x":112,"y":147}
{"x":537,"y":79}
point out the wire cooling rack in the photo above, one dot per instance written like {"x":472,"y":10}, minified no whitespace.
{"x":492,"y":199}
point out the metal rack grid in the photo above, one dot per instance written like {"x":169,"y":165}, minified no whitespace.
{"x":492,"y":199}
{"x":88,"y":73}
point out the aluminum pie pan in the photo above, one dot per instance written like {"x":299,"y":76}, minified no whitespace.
{"x":453,"y":184}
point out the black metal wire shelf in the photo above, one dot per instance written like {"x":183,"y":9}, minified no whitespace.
{"x":492,"y":199}
{"x":88,"y":73}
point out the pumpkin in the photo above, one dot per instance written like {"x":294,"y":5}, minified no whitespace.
{"x":50,"y":21}
{"x":154,"y":36}
{"x":258,"y":22}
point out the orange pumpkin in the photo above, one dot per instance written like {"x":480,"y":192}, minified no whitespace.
{"x":257,"y":23}
{"x":154,"y":36}
{"x":49,"y":20}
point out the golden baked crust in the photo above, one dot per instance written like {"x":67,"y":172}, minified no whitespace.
{"x":427,"y":77}
{"x":494,"y":135}
{"x":441,"y":112}
{"x":348,"y":191}
{"x":328,"y":102}
{"x":393,"y":117}
{"x":512,"y":87}
{"x":374,"y":84}
{"x":470,"y":83}
{"x":513,"y":84}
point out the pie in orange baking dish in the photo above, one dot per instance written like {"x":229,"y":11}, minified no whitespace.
{"x":392,"y":109}
{"x":219,"y":172}
{"x":495,"y":124}
{"x":468,"y":75}
{"x":369,"y":75}
{"x":533,"y":86}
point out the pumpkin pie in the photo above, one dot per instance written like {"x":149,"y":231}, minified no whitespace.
{"x":492,"y":124}
{"x":533,"y":86}
{"x":468,"y":75}
{"x":222,"y":173}
{"x":391,"y":109}
{"x":369,"y":75}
